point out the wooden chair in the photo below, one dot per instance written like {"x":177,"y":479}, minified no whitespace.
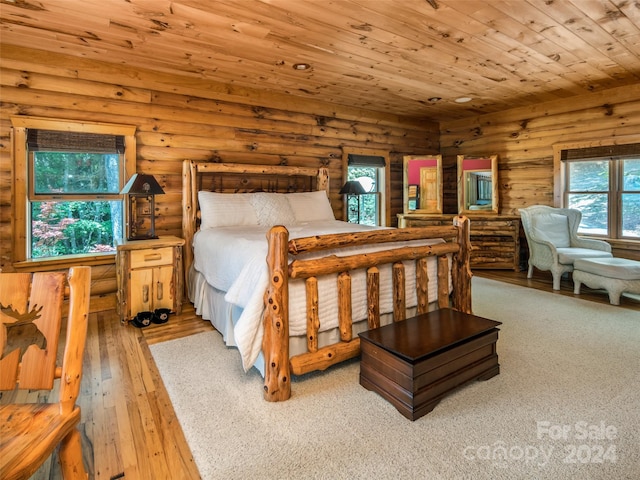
{"x":30,"y":324}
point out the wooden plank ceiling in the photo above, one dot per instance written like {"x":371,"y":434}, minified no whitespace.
{"x":406,"y":57}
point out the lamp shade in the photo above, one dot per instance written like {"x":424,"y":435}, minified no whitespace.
{"x":352,"y":187}
{"x":141,"y":184}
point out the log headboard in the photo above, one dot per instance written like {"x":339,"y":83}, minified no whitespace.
{"x":194,"y":171}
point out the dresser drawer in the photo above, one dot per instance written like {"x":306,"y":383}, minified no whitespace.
{"x":151,"y":257}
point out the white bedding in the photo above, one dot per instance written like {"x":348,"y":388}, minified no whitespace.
{"x":233,"y":260}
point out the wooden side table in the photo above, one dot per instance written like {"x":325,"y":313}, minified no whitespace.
{"x":149,"y":275}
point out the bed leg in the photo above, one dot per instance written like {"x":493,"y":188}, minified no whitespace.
{"x":275,"y":342}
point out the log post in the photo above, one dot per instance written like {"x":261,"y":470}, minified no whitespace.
{"x":313,"y":322}
{"x":322,"y":180}
{"x":443,"y":281}
{"x":422,"y":285}
{"x":79,"y":297}
{"x":373,"y":297}
{"x":275,"y":342}
{"x":399,"y":295}
{"x":189,"y":207}
{"x":461,"y":268}
{"x":345,"y":322}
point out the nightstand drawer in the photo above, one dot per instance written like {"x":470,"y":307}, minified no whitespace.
{"x":151,"y":257}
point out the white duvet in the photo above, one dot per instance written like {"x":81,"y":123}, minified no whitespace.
{"x":233,"y":260}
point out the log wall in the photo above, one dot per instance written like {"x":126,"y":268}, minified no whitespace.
{"x":524,"y":139}
{"x":179,"y":118}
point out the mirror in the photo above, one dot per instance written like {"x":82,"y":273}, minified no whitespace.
{"x":477,"y":184}
{"x":423,"y":184}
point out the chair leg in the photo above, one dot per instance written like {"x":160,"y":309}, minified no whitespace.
{"x":576,"y":286}
{"x":614,"y":296}
{"x":557,"y":277}
{"x":71,"y":457}
{"x":530,"y":272}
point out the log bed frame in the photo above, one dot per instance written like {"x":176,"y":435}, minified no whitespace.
{"x":283,"y":265}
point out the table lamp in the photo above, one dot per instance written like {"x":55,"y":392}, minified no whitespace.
{"x":141,"y":190}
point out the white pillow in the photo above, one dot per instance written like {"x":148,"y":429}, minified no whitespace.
{"x":225,"y":209}
{"x":311,"y":206}
{"x":272,"y":209}
{"x":553,"y":228}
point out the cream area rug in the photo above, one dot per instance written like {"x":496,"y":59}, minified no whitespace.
{"x":566,"y":404}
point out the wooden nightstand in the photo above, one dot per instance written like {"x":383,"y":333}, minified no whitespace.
{"x":149,"y":274}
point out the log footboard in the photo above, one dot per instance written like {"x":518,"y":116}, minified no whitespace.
{"x":275,"y":346}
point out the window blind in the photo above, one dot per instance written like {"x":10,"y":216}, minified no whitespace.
{"x":57,"y":141}
{"x":608,"y":151}
{"x":365,"y":161}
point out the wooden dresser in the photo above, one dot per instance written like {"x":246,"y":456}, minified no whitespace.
{"x":495,"y":239}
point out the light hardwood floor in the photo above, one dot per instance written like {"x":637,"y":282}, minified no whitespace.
{"x":129,"y":428}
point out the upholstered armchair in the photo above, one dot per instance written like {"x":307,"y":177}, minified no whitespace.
{"x":554,"y":242}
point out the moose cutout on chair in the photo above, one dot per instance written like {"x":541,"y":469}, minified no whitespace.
{"x":21,"y":333}
{"x":31,"y":305}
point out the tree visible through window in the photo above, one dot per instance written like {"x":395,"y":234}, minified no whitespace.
{"x":369,"y":202}
{"x":75,"y":203}
{"x":371,"y":169}
{"x":68,"y":178}
{"x":605,"y":188}
{"x":74,"y":200}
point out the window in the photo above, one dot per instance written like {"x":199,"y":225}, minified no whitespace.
{"x":70,"y":194}
{"x":74,"y":186}
{"x":369,"y":202}
{"x":604,"y":184}
{"x":370,"y":169}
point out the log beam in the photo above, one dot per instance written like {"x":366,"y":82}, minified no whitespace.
{"x":338,"y":240}
{"x":332,"y":264}
{"x":325,"y":357}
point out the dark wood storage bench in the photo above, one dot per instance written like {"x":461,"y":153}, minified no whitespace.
{"x":415,"y":362}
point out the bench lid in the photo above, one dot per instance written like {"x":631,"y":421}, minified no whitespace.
{"x":429,"y":333}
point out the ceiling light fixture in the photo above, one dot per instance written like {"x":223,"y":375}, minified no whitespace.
{"x":463,"y":99}
{"x":301,"y":66}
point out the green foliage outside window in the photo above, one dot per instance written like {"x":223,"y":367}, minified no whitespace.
{"x":64,"y":224}
{"x":369,"y":202}
{"x":67,"y":228}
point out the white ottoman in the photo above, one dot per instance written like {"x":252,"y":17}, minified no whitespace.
{"x":615,"y":275}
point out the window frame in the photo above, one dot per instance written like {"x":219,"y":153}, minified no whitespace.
{"x":384,"y":187}
{"x":22,"y":176}
{"x":375,"y":195}
{"x":615,"y":189}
